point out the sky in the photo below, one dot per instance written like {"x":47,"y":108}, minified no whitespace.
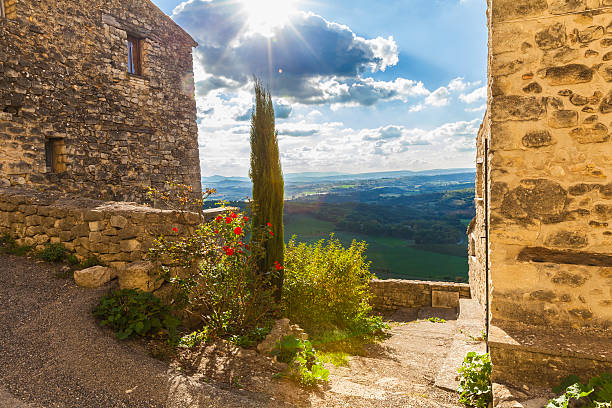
{"x":358,"y":85}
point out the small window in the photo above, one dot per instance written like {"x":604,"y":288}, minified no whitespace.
{"x":55,"y":151}
{"x":2,"y":11}
{"x":134,"y":55}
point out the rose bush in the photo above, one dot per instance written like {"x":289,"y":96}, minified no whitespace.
{"x":215,"y":277}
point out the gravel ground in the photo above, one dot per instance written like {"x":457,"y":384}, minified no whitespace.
{"x":53,"y":354}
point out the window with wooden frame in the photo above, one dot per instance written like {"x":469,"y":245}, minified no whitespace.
{"x":134,"y":55}
{"x":55,"y":152}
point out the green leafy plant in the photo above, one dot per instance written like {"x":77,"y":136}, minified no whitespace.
{"x":250,"y":339}
{"x":135,"y":313}
{"x":475,"y":381}
{"x":53,"y":253}
{"x":596,"y":394}
{"x":194,"y":339}
{"x":304,"y":365}
{"x":327,"y":287}
{"x":8,"y":245}
{"x":436,"y":320}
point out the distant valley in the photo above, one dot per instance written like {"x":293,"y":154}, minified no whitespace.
{"x":414,"y":222}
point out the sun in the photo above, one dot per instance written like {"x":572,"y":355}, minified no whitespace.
{"x":266,"y":15}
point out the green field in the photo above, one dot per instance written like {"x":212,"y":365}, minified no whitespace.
{"x":390,"y":257}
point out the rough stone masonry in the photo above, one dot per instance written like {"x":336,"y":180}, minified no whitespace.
{"x":544,"y":189}
{"x":72,"y":116}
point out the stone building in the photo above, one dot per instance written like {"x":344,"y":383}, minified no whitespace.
{"x":96,"y":98}
{"x":541,"y":246}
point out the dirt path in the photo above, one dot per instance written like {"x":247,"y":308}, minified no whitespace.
{"x":53,"y":354}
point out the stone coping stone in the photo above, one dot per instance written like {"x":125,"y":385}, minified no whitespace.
{"x":563,"y":342}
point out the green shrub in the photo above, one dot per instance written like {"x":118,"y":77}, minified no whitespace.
{"x":304,"y":365}
{"x":436,"y":320}
{"x":475,"y":381}
{"x":327,"y":286}
{"x":53,"y":253}
{"x":194,"y":339}
{"x":8,"y":245}
{"x":134,"y":313}
{"x":596,"y":394}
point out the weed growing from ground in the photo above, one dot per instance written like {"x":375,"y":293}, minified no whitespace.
{"x":305,"y":366}
{"x":475,"y":381}
{"x":596,"y":394}
{"x":436,"y":320}
{"x":9,"y":246}
{"x":53,"y":253}
{"x":134,"y":313}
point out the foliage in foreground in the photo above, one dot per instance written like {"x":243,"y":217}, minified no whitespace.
{"x":475,"y":387}
{"x":53,"y":253}
{"x":215,"y":277}
{"x":596,"y":394}
{"x":327,"y":287}
{"x":268,"y":185}
{"x":135,"y":313}
{"x":305,"y":367}
{"x":8,"y":245}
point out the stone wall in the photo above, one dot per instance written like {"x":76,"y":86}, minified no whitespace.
{"x":396,"y":294}
{"x":64,"y":79}
{"x":549,"y":181}
{"x":117,"y":233}
{"x":550,"y":114}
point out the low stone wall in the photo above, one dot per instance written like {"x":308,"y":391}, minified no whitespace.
{"x":396,"y":294}
{"x":117,"y":233}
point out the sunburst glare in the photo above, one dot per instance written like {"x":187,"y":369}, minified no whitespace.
{"x":265,"y":15}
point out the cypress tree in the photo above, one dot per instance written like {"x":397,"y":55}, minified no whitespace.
{"x":268,"y":184}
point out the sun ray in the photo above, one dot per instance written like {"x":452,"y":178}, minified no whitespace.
{"x":266,"y":15}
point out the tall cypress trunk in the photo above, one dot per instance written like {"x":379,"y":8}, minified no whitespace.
{"x":268,"y":184}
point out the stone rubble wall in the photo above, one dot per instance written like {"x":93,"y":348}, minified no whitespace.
{"x":118,"y":233}
{"x":396,"y":294}
{"x":477,"y":228}
{"x":550,"y":118}
{"x":63,"y":75}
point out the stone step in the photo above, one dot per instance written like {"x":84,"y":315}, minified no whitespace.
{"x":470,"y":323}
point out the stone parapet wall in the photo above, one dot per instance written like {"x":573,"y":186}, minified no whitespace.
{"x":116,"y":232}
{"x":396,"y":294}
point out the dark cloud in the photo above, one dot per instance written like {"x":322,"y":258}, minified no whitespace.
{"x":310,"y":60}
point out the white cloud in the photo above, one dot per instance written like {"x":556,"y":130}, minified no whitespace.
{"x":439,"y":97}
{"x":480,"y":108}
{"x":474,"y":96}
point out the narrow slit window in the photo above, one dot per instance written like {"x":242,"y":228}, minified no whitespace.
{"x":2,"y":10}
{"x":55,"y":155}
{"x":134,"y":55}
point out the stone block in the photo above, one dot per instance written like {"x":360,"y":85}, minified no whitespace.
{"x":93,"y":277}
{"x":443,"y":299}
{"x":141,"y":275}
{"x":118,"y":221}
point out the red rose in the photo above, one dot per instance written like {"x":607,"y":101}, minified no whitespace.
{"x":269,"y":224}
{"x":175,"y":229}
{"x":219,"y":218}
{"x":228,"y":251}
{"x":238,"y":230}
{"x":233,"y":215}
{"x":246,"y":219}
{"x":228,"y":220}
{"x":271,"y":233}
{"x":216,"y":231}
